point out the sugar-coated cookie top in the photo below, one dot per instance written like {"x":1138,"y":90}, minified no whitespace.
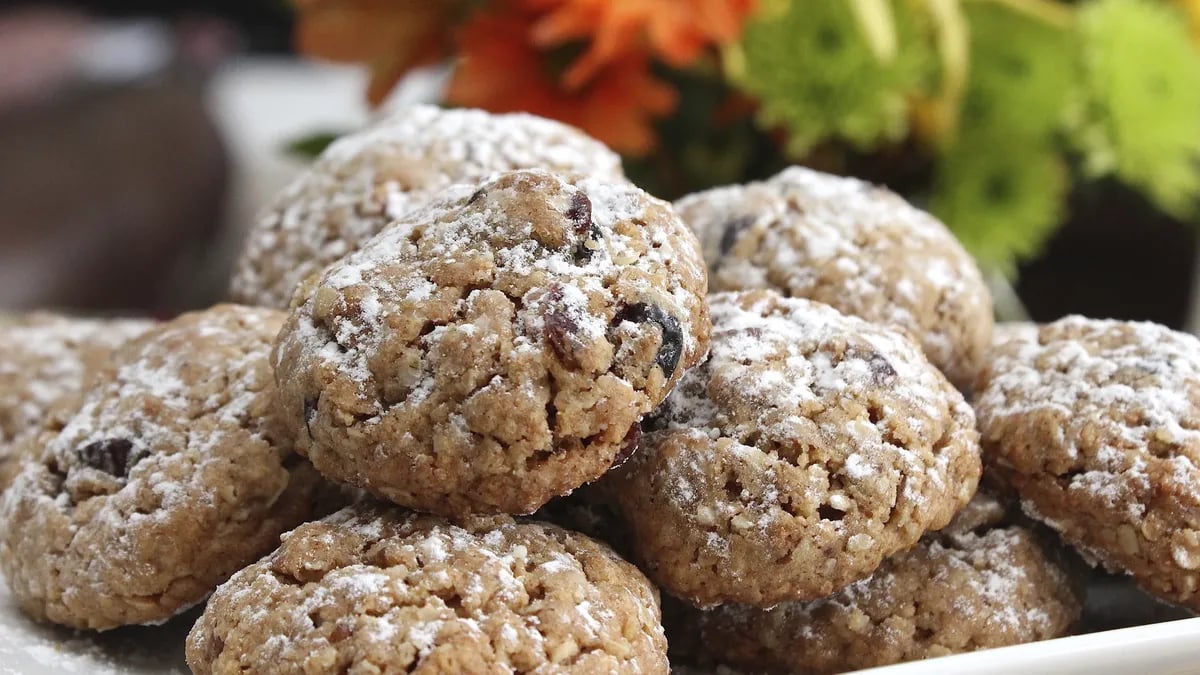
{"x":1128,"y":393}
{"x":497,"y":347}
{"x":380,"y":587}
{"x":506,"y":225}
{"x":1100,"y":422}
{"x":170,"y":473}
{"x":852,"y":245}
{"x":807,"y":448}
{"x":786,"y":372}
{"x":45,"y":357}
{"x":367,"y":179}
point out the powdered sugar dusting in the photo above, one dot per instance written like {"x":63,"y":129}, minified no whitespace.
{"x":996,"y":574}
{"x":808,"y":447}
{"x":30,"y":647}
{"x":1099,"y":423}
{"x":443,"y":588}
{"x":365,"y":180}
{"x":793,"y":359}
{"x":135,"y":457}
{"x":950,"y":593}
{"x":857,"y":247}
{"x":45,"y":359}
{"x":1126,"y":397}
{"x":558,"y":281}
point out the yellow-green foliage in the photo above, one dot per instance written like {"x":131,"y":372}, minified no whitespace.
{"x":1054,"y":91}
{"x":810,"y":66}
{"x":1001,"y":181}
{"x":1141,"y":115}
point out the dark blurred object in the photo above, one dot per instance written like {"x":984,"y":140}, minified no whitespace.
{"x":1116,"y":257}
{"x":112,"y":178}
{"x":39,"y":47}
{"x":265,"y":25}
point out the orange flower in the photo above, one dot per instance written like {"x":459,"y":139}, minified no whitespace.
{"x":677,"y":31}
{"x":501,"y":70}
{"x":390,"y":36}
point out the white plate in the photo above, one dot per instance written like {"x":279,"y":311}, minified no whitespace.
{"x":1171,"y":648}
{"x":29,"y":648}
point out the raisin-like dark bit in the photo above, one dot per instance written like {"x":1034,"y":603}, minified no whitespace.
{"x":580,"y":215}
{"x":732,"y":229}
{"x":560,"y":327}
{"x":580,"y":212}
{"x":671,"y":347}
{"x":882,"y":372}
{"x":310,"y":412}
{"x":629,"y":446}
{"x":476,"y":196}
{"x":111,"y":455}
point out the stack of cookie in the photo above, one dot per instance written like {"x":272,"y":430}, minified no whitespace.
{"x":486,"y":406}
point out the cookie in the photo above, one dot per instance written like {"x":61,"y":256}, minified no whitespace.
{"x":1014,"y":330}
{"x":496,"y":348}
{"x":857,"y":247}
{"x":376,"y":589}
{"x":365,"y":180}
{"x":960,"y":590}
{"x":43,"y":360}
{"x":807,"y":448}
{"x":172,"y":474}
{"x":1096,"y":424}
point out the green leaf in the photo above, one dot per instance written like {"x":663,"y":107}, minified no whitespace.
{"x":1023,"y":73}
{"x":1002,"y":203}
{"x":310,"y":146}
{"x":815,"y":74}
{"x":1141,"y":116}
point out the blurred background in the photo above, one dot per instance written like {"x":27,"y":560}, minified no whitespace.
{"x":138,"y":138}
{"x":1059,"y":140}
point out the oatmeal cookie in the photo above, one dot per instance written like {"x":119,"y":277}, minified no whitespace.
{"x":377,"y":589}
{"x":497,"y":348}
{"x":367,"y":179}
{"x":1096,"y":424}
{"x":859,"y":248}
{"x":810,"y":446}
{"x":971,"y":586}
{"x":43,"y":361}
{"x":1014,"y":330}
{"x":171,"y":474}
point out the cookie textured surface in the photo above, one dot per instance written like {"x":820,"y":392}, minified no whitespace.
{"x":171,"y":475}
{"x":857,"y":247}
{"x":497,"y":348}
{"x":1096,"y":424}
{"x":377,"y":589}
{"x":808,"y":447}
{"x":43,"y":361}
{"x":365,"y":180}
{"x":960,"y":590}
